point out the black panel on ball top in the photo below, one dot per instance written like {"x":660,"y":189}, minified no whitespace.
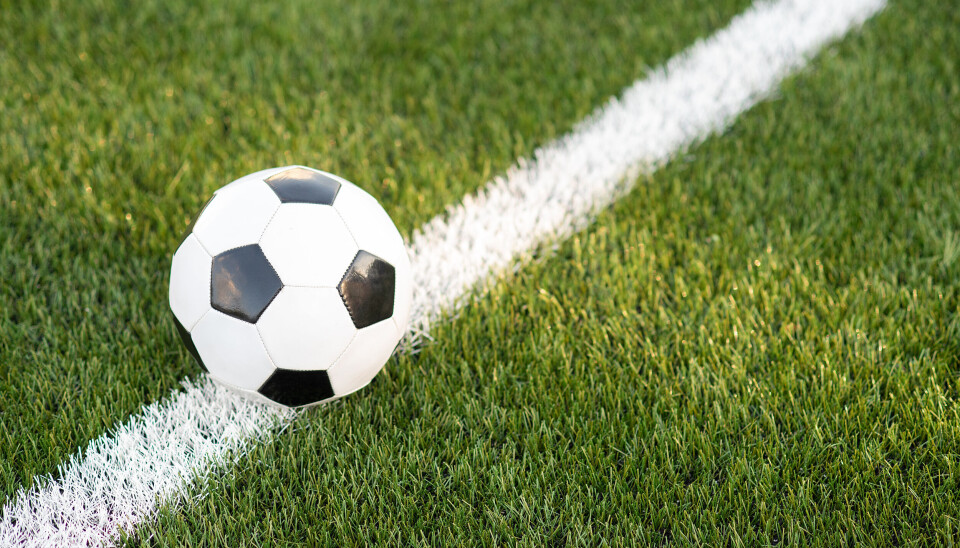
{"x":305,"y":186}
{"x":296,"y":388}
{"x":188,"y":342}
{"x":368,"y":289}
{"x":243,"y":283}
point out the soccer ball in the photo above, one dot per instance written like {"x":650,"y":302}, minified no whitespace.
{"x":294,"y":285}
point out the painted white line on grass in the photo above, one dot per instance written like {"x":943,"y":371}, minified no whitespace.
{"x":156,"y":456}
{"x":556,"y":193}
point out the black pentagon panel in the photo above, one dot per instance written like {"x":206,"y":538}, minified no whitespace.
{"x":296,"y":388}
{"x":367,"y":289}
{"x":243,"y":283}
{"x":305,"y":186}
{"x":188,"y":342}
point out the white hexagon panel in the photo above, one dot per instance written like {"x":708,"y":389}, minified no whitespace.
{"x":295,"y":286}
{"x":364,"y":357}
{"x":309,"y":245}
{"x":306,"y":328}
{"x":244,"y":362}
{"x":236,"y":216}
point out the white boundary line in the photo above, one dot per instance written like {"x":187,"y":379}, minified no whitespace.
{"x":555,"y":194}
{"x":156,"y":456}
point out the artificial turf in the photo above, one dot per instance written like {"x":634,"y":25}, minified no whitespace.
{"x":759,"y":345}
{"x":119,"y":122}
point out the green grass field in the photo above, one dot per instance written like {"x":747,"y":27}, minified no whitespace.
{"x":758,"y":345}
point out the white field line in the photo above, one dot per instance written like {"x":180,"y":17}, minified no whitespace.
{"x":156,"y":456}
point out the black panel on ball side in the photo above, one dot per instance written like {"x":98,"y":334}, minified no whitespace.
{"x":243,"y":283}
{"x":367,"y":289}
{"x":296,"y":388}
{"x":188,"y":342}
{"x":305,"y":186}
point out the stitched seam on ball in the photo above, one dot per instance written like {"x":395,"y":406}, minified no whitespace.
{"x":344,"y":299}
{"x":342,"y":352}
{"x":273,"y":362}
{"x":196,"y":323}
{"x":272,"y":215}
{"x":346,"y":224}
{"x":257,"y":243}
{"x":257,"y":319}
{"x":209,"y":279}
{"x":199,"y":241}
